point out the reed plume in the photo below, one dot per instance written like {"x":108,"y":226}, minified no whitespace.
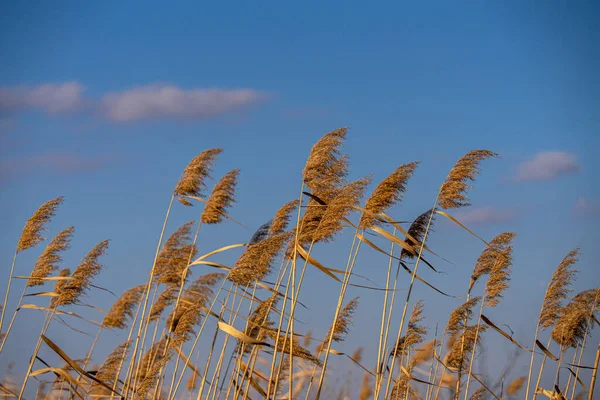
{"x":386,"y":194}
{"x":366,"y":387}
{"x":558,"y":290}
{"x":174,"y":255}
{"x":191,"y":182}
{"x":415,"y":332}
{"x":165,"y":299}
{"x":489,"y":256}
{"x":499,"y":277}
{"x":417,"y":231}
{"x":325,"y":167}
{"x":189,"y":310}
{"x":256,"y":261}
{"x":358,"y":354}
{"x":402,"y":389}
{"x":461,"y":314}
{"x":221,"y":198}
{"x":59,"y":286}
{"x":108,"y":372}
{"x":116,"y":317}
{"x":36,"y":224}
{"x":81,"y":279}
{"x":260,"y":318}
{"x":281,"y":218}
{"x":51,"y":257}
{"x":574,"y":318}
{"x":463,"y":346}
{"x":453,"y":191}
{"x":424,"y":353}
{"x":338,"y":209}
{"x":294,"y":348}
{"x":479,"y":394}
{"x":339,"y":329}
{"x":516,"y":385}
{"x":192,"y":382}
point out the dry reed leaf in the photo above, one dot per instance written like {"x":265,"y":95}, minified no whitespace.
{"x":230,"y":330}
{"x":64,"y":375}
{"x":73,"y":364}
{"x":36,"y":224}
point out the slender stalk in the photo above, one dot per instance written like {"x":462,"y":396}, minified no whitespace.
{"x":149,"y":285}
{"x":410,"y":287}
{"x":12,"y":320}
{"x":594,"y":373}
{"x":537,"y":331}
{"x":539,"y":379}
{"x":45,"y":326}
{"x":472,"y":353}
{"x":10,"y":279}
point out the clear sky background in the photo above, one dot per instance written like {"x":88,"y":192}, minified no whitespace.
{"x":106,"y":102}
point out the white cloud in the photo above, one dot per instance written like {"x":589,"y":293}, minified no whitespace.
{"x":483,"y":215}
{"x":585,"y":207}
{"x":546,"y":166}
{"x":51,"y":98}
{"x":168,"y":101}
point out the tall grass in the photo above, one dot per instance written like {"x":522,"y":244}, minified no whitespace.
{"x":232,"y":331}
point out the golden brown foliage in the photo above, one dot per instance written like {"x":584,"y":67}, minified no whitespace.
{"x":386,"y":194}
{"x":82,"y":277}
{"x":36,"y":224}
{"x":116,"y":317}
{"x":221,"y":198}
{"x":558,"y":290}
{"x":453,"y":190}
{"x":325,"y":167}
{"x":255,"y":262}
{"x":191,"y":182}
{"x":51,"y":257}
{"x":281,"y":218}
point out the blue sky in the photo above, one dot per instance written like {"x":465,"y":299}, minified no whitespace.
{"x":105,"y":103}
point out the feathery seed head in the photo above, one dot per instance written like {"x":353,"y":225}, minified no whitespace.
{"x":325,"y":167}
{"x":453,"y":190}
{"x":221,"y":198}
{"x":417,"y":231}
{"x":51,"y":257}
{"x":116,"y":317}
{"x":386,"y":194}
{"x":191,"y":182}
{"x":489,"y":256}
{"x":282,"y":217}
{"x":558,"y":290}
{"x":36,"y":224}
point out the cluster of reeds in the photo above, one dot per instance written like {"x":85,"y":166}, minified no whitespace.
{"x":231,"y":331}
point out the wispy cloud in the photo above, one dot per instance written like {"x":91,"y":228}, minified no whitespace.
{"x":546,"y":166}
{"x":50,"y":163}
{"x":50,"y":98}
{"x":149,"y":102}
{"x":586,"y":207}
{"x":484,"y":215}
{"x":167,"y":101}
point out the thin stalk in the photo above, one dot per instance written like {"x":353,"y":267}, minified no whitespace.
{"x":472,"y":352}
{"x":380,"y":347}
{"x":208,"y":359}
{"x":200,"y":331}
{"x":410,"y":287}
{"x":10,"y":279}
{"x":149,"y":285}
{"x":37,"y":349}
{"x":594,"y":373}
{"x":12,"y":320}
{"x":537,"y":384}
